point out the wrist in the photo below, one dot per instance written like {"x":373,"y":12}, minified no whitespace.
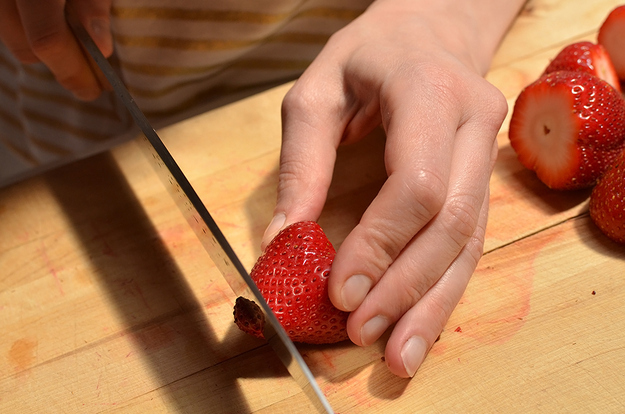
{"x":470,"y":29}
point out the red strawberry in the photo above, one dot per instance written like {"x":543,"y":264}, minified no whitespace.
{"x":586,"y":57}
{"x":568,"y":127}
{"x":607,"y":201}
{"x":612,"y":37}
{"x":292,"y":275}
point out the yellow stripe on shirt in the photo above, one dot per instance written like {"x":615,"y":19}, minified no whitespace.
{"x":161,"y":13}
{"x":238,"y":16}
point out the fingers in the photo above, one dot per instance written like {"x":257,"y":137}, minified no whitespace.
{"x":417,"y":330}
{"x":315,"y":113}
{"x":95,"y":16}
{"x":418,"y":157}
{"x":37,"y":31}
{"x":12,"y":33}
{"x":398,"y":256}
{"x":310,"y":136}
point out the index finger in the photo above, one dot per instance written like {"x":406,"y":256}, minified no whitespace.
{"x":418,"y":157}
{"x":52,"y":41}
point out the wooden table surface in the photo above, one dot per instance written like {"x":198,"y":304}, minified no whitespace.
{"x":108,"y":303}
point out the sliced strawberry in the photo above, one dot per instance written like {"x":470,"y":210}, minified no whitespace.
{"x":567,"y":127}
{"x":612,"y":37}
{"x":607,"y":201}
{"x":586,"y":57}
{"x":292,"y":275}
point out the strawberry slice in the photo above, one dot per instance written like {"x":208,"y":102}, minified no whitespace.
{"x":567,"y":127}
{"x":292,"y":275}
{"x":586,"y":57}
{"x":612,"y":37}
{"x":607,"y":201}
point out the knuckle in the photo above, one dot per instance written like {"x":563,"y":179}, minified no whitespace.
{"x":385,"y":247}
{"x":460,"y":219}
{"x":45,"y":43}
{"x":413,"y":283}
{"x":491,"y":108}
{"x":426,"y":190}
{"x":303,"y":106}
{"x":475,"y":245}
{"x":444,"y":84}
{"x":497,"y":108}
{"x":295,"y":100}
{"x":415,"y":290}
{"x":290,"y":170}
{"x":308,"y":93}
{"x":440,"y":309}
{"x":75,"y":81}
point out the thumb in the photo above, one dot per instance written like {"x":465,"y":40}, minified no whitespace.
{"x":95,"y":15}
{"x":310,"y":137}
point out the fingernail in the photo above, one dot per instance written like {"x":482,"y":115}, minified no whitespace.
{"x":273,"y":228}
{"x":371,"y":331}
{"x":354,"y":291}
{"x":413,"y":354}
{"x":101,"y":32}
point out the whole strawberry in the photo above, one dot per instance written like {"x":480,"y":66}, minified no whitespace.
{"x":568,"y":127}
{"x":612,"y":37}
{"x":292,"y":275}
{"x":607,"y":201}
{"x":586,"y":57}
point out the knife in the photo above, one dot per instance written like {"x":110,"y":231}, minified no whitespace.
{"x":208,"y":232}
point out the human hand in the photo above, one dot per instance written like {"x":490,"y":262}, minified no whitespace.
{"x":36,"y":31}
{"x":416,"y":67}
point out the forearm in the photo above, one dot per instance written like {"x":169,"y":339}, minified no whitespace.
{"x":473,"y":29}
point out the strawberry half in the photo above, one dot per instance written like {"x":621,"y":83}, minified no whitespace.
{"x":568,"y":127}
{"x":612,"y":37}
{"x":292,"y":275}
{"x":586,"y":57}
{"x":607,"y":201}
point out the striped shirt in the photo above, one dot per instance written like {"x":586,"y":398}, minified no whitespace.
{"x":177,"y":58}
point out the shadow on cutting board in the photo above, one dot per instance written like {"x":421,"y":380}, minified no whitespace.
{"x":162,"y":317}
{"x":525,"y":183}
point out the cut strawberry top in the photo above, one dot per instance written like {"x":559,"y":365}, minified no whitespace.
{"x":586,"y":57}
{"x":550,"y":130}
{"x":567,"y":126}
{"x":612,"y":37}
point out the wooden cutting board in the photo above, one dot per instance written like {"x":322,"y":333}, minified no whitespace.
{"x":109,"y":303}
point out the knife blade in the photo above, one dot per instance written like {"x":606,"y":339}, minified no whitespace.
{"x":201,"y":221}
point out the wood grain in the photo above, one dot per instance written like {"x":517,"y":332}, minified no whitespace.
{"x":108,"y":303}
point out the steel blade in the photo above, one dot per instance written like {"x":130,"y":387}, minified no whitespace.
{"x":205,"y":227}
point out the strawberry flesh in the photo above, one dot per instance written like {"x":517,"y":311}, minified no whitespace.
{"x":612,"y":37}
{"x":292,"y":275}
{"x":586,"y":57}
{"x":567,"y":127}
{"x":607,"y":201}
